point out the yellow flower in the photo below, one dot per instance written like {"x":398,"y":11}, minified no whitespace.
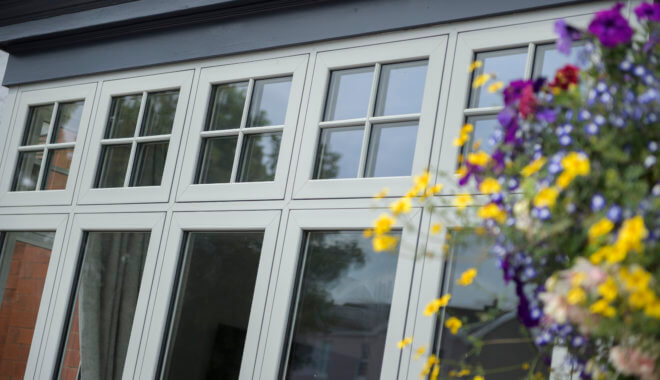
{"x":435,"y":372}
{"x":436,"y":228}
{"x":578,"y":278}
{"x":494,"y":87}
{"x":422,"y":180}
{"x":453,"y":324}
{"x":368,"y":233}
{"x":565,"y":179}
{"x":547,"y":197}
{"x":533,"y":167}
{"x":382,"y":194}
{"x":476,"y":145}
{"x":463,"y":200}
{"x":467,"y":277}
{"x":435,"y":189}
{"x":637,"y":279}
{"x":383,"y":224}
{"x":436,"y":304}
{"x":405,"y":342}
{"x":430,"y":362}
{"x":480,"y":158}
{"x":608,"y":289}
{"x":461,"y":171}
{"x":653,"y":309}
{"x":489,"y":186}
{"x":401,"y":206}
{"x":384,"y":243}
{"x":452,"y":373}
{"x":632,"y":233}
{"x":576,"y":163}
{"x":463,"y":372}
{"x":474,"y":65}
{"x":480,"y":80}
{"x":600,"y":228}
{"x":420,"y":351}
{"x":576,"y":296}
{"x":525,"y":366}
{"x":641,"y":298}
{"x":615,"y":254}
{"x":602,"y":307}
{"x":492,"y":211}
{"x":464,"y":135}
{"x":478,"y":377}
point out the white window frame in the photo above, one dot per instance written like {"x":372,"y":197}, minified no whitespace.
{"x":431,"y":48}
{"x":299,"y":221}
{"x":181,"y":80}
{"x":294,"y":66}
{"x":26,"y":99}
{"x":164,"y":292}
{"x":59,"y":323}
{"x":40,"y":222}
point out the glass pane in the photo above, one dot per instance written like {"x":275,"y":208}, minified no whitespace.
{"x":57,"y":169}
{"x":159,"y":113}
{"x":149,"y":164}
{"x":259,"y":157}
{"x":345,"y":294}
{"x":27,"y":171}
{"x":114,"y":162}
{"x":507,"y":64}
{"x":24,"y":262}
{"x":67,"y":122}
{"x":338,"y":155}
{"x":401,"y":88}
{"x":484,"y":127}
{"x":226,"y":107}
{"x":488,"y":294}
{"x":101,"y":317}
{"x":38,"y":123}
{"x":391,"y":150}
{"x":349,"y":93}
{"x":123,"y":116}
{"x":270,"y":98}
{"x":217,"y":160}
{"x":548,"y":59}
{"x":213,"y":305}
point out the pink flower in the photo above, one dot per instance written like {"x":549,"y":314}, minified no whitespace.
{"x":527,"y":101}
{"x":633,"y":362}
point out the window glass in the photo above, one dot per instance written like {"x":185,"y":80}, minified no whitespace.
{"x":114,"y":164}
{"x":212,"y":307}
{"x":507,"y":64}
{"x":391,"y":150}
{"x":270,"y":98}
{"x":484,"y":126}
{"x":339,"y":153}
{"x":57,"y":169}
{"x":548,"y":59}
{"x":159,"y":113}
{"x":342,"y":309}
{"x":149,"y":164}
{"x":27,"y":171}
{"x":24,"y":258}
{"x":401,"y":88}
{"x":103,"y":307}
{"x":38,"y":123}
{"x":260,"y":157}
{"x":217,"y":160}
{"x":349,"y":93}
{"x":123,"y":116}
{"x":67,"y":122}
{"x":227,"y":103}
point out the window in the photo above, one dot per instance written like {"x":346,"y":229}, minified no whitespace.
{"x":135,"y":140}
{"x":43,"y":156}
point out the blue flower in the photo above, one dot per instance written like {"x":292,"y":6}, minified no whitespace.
{"x":614,"y":213}
{"x":591,"y":129}
{"x":597,"y":202}
{"x":625,"y":65}
{"x":565,"y":140}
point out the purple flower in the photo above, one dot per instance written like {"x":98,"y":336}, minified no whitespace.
{"x":597,"y":202}
{"x":591,"y":129}
{"x":614,"y":213}
{"x":611,"y":27}
{"x":566,"y":35}
{"x":646,"y":11}
{"x":547,"y":115}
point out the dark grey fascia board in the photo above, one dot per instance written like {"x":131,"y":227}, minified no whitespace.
{"x":286,"y":27}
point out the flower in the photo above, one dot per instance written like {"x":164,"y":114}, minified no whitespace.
{"x":528,"y":101}
{"x":600,"y":228}
{"x":496,"y":86}
{"x":492,"y":211}
{"x":633,"y":362}
{"x":547,"y":197}
{"x":436,"y":228}
{"x":565,"y":77}
{"x":489,"y":186}
{"x":405,"y":342}
{"x":463,"y":200}
{"x":533,"y":167}
{"x":475,"y":65}
{"x":467,"y":277}
{"x":566,"y":35}
{"x":464,"y":135}
{"x":420,"y":351}
{"x":435,"y":305}
{"x":608,"y":289}
{"x":383,"y":224}
{"x":478,"y":377}
{"x":574,"y":164}
{"x":382,"y":194}
{"x":401,"y":206}
{"x":632,"y":233}
{"x":480,"y":80}
{"x":453,"y":324}
{"x":576,"y":296}
{"x":646,"y":11}
{"x":480,"y":158}
{"x":463,"y":372}
{"x":611,"y":27}
{"x":384,"y":243}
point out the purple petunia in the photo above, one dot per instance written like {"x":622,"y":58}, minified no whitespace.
{"x":646,"y":11}
{"x":566,"y":35}
{"x":611,"y":27}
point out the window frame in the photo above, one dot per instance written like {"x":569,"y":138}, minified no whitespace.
{"x":88,"y":193}
{"x":153,"y":347}
{"x":431,"y":48}
{"x":188,"y":190}
{"x":273,"y":348}
{"x":59,"y":322}
{"x":26,"y":99}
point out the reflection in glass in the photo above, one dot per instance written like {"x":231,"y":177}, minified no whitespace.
{"x":226,"y":107}
{"x":391,"y":150}
{"x":114,"y":162}
{"x":484,"y":127}
{"x":508,"y":64}
{"x":101,"y":316}
{"x":548,"y":59}
{"x":338,"y":154}
{"x":270,"y":98}
{"x":123,"y":116}
{"x":24,"y":258}
{"x":342,"y":310}
{"x":349,"y":93}
{"x":488,"y":294}
{"x":27,"y":170}
{"x":212,"y":306}
{"x":149,"y":164}
{"x":38,"y":124}
{"x":57,"y":169}
{"x":159,"y":113}
{"x":259,"y":157}
{"x":67,"y":122}
{"x":401,"y":88}
{"x":217,"y":159}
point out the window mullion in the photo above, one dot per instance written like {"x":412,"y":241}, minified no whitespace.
{"x":45,"y":156}
{"x":239,"y":141}
{"x":367,"y":125}
{"x":138,"y":127}
{"x":529,"y":67}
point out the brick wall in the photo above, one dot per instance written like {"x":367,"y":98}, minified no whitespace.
{"x":71,"y":362}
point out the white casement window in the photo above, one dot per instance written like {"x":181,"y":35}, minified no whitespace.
{"x":45,"y":145}
{"x":100,"y":309}
{"x":370,"y":118}
{"x":135,"y":141}
{"x":243,"y":126}
{"x":207,"y":318}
